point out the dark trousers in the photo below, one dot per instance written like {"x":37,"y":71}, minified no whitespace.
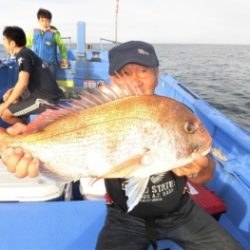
{"x":190,"y":227}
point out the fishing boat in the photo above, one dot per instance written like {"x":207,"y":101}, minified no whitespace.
{"x":75,"y":224}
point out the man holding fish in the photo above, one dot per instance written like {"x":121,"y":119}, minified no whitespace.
{"x":164,"y":209}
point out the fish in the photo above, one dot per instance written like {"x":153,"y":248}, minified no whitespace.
{"x":114,"y":132}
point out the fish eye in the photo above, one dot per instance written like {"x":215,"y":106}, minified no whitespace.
{"x":189,"y":127}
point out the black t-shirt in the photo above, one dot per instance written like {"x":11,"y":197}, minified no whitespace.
{"x":42,"y":83}
{"x":163,"y":195}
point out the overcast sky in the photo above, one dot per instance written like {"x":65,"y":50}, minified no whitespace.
{"x":156,"y":21}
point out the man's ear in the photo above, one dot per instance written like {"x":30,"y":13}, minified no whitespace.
{"x":12,"y":44}
{"x":157,"y":71}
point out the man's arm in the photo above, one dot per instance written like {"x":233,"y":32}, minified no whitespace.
{"x":61,"y":45}
{"x":7,"y":94}
{"x":19,"y":88}
{"x":17,"y":91}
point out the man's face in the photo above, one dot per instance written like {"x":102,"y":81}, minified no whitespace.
{"x":140,"y":76}
{"x":8,"y":45}
{"x":44,"y":23}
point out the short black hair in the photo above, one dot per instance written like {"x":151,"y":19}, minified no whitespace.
{"x":44,"y":13}
{"x":16,"y":34}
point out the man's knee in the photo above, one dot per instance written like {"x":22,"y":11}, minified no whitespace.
{"x":6,"y":115}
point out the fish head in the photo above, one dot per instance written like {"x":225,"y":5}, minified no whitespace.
{"x":183,"y":132}
{"x":178,"y":133}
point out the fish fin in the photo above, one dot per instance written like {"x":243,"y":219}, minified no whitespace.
{"x":47,"y":117}
{"x":44,"y":171}
{"x":134,"y":190}
{"x":88,"y":98}
{"x":126,"y":168}
{"x":128,"y":87}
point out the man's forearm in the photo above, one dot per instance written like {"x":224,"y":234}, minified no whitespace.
{"x":15,"y":94}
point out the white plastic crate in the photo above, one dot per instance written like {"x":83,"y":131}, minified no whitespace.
{"x":40,"y":188}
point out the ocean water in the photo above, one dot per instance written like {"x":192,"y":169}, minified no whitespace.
{"x":220,"y":74}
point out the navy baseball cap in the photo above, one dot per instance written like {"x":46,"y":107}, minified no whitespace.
{"x":132,"y":52}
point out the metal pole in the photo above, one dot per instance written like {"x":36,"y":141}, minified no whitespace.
{"x":116,"y":18}
{"x":81,"y":39}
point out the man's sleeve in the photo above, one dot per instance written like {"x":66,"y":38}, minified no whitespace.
{"x":61,"y":45}
{"x":25,"y":64}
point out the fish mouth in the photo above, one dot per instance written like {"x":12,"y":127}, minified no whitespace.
{"x":203,"y":149}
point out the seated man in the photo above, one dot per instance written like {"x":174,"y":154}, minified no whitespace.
{"x":35,"y":85}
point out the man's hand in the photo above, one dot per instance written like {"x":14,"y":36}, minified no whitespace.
{"x":199,"y":171}
{"x":7,"y":94}
{"x":64,"y":64}
{"x":17,"y":161}
{"x":20,"y":163}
